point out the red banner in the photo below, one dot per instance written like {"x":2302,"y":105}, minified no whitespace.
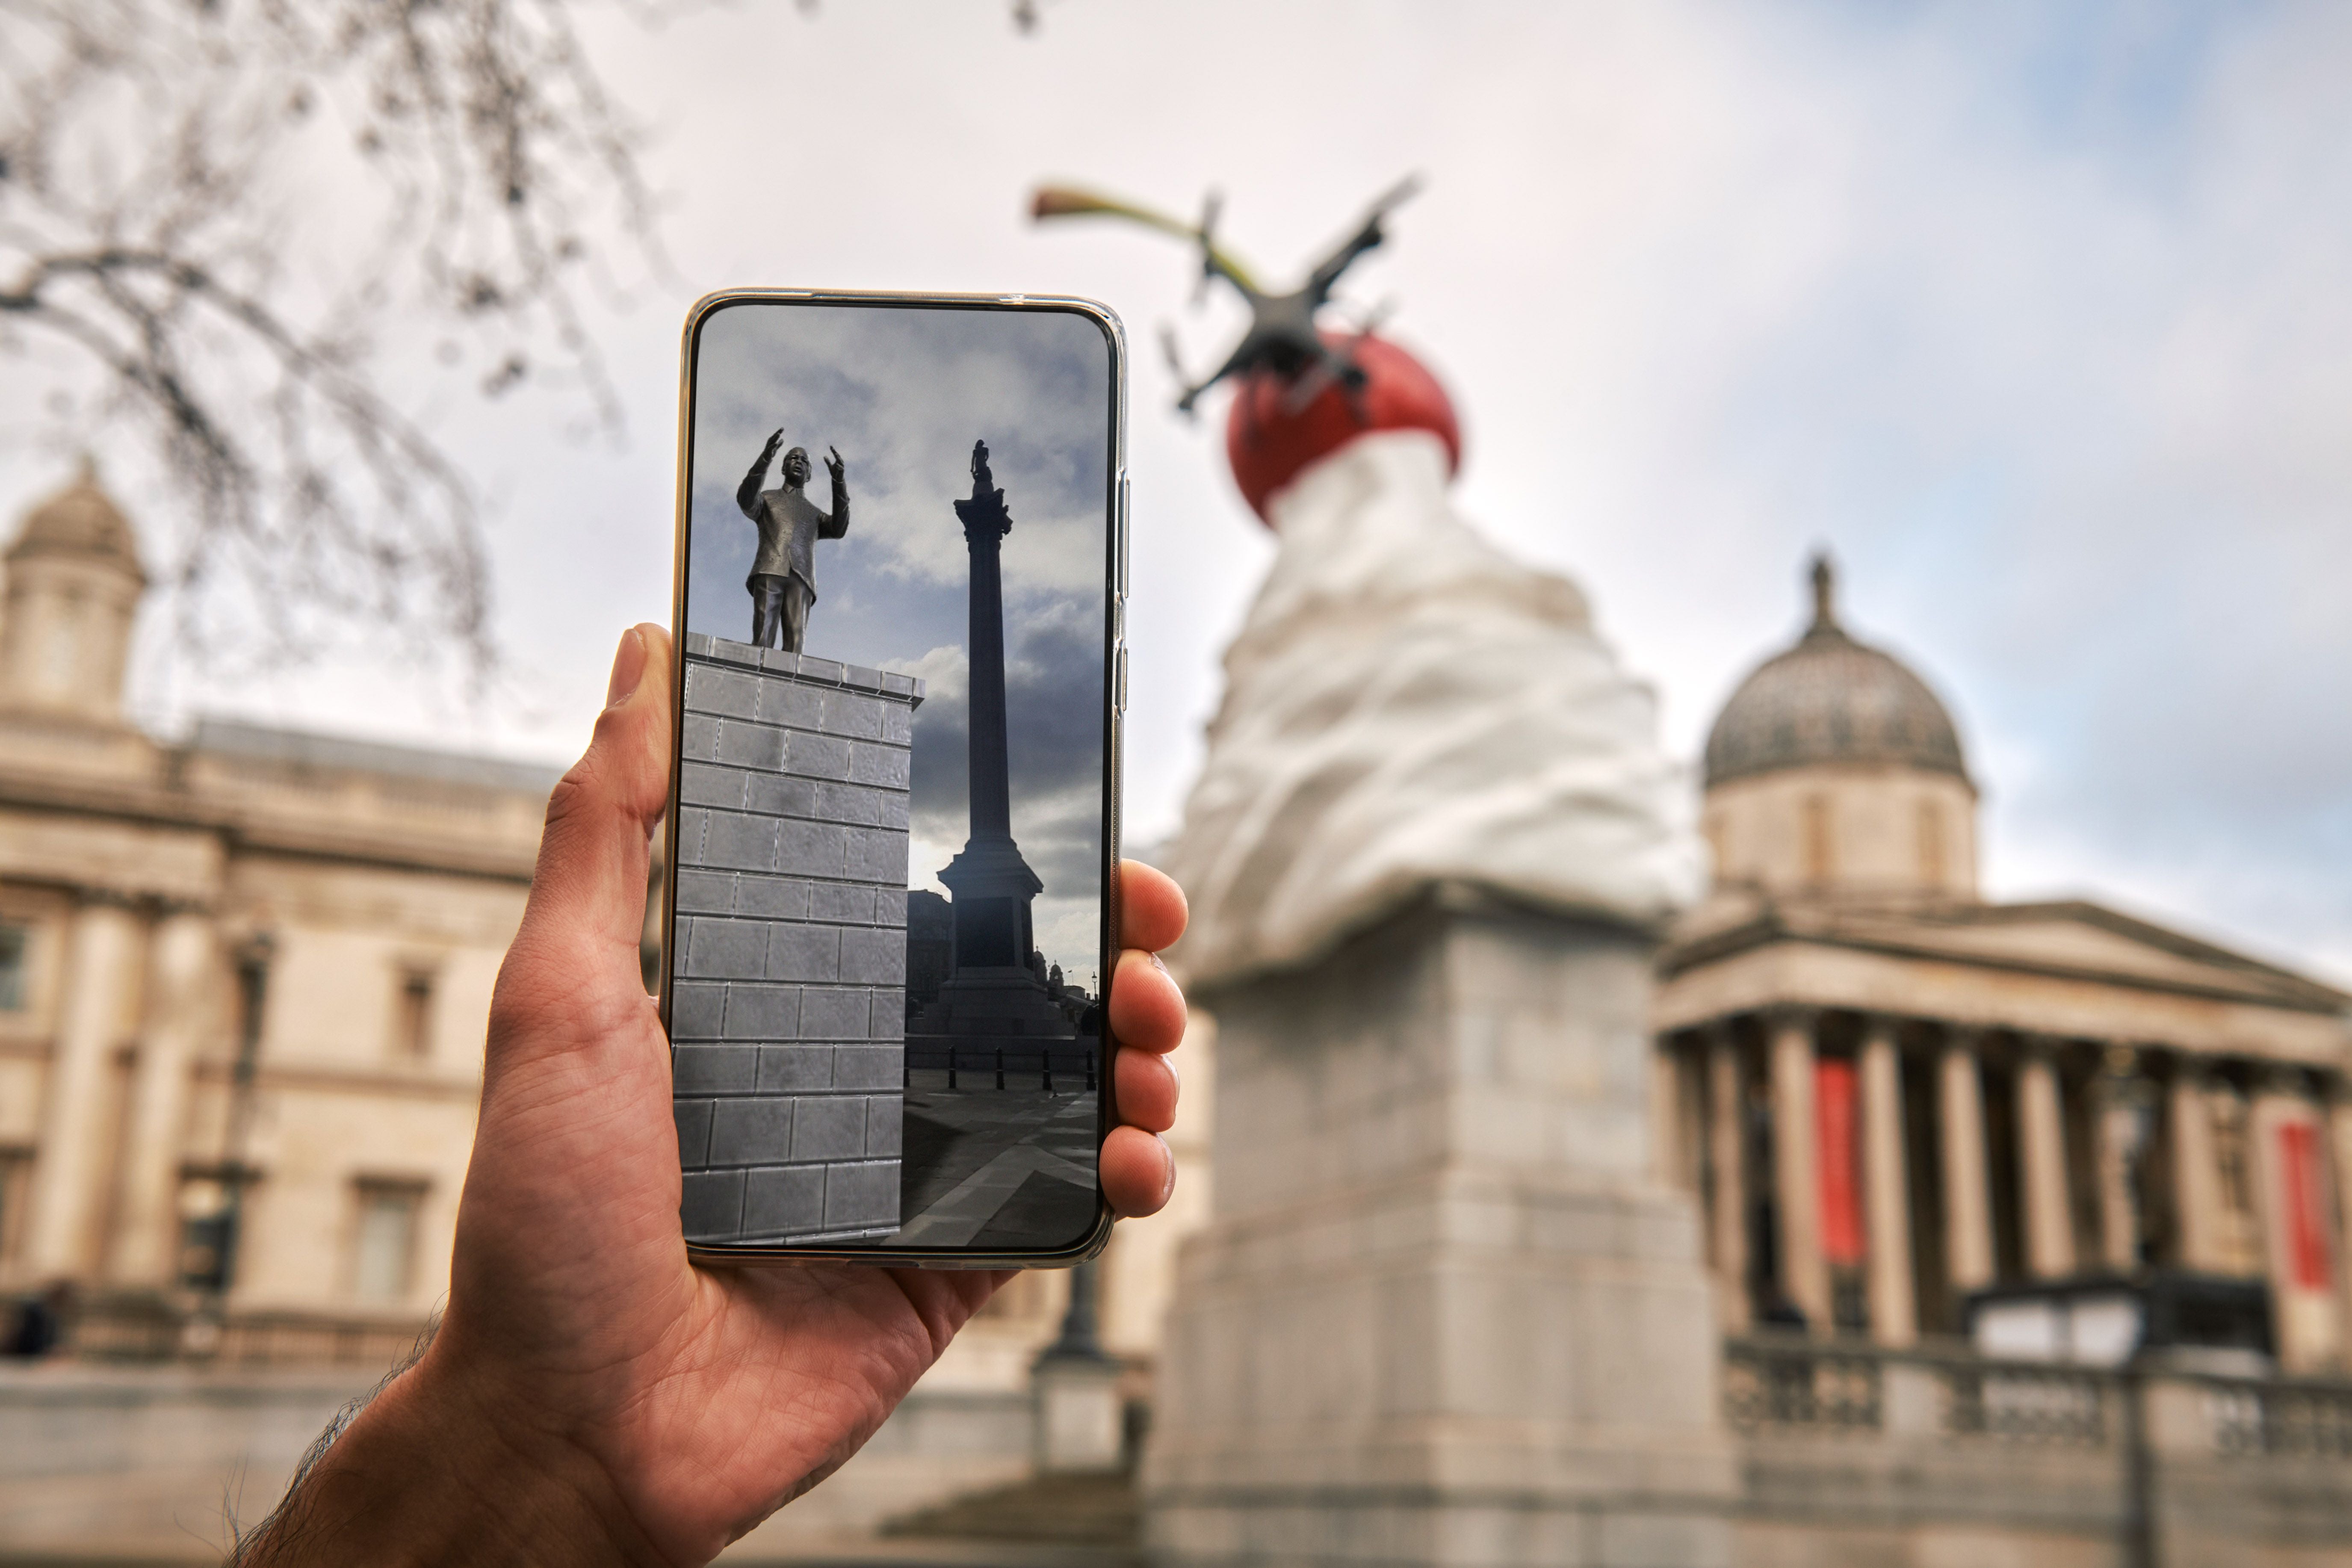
{"x":1844,"y":1244}
{"x":2303,"y":1207}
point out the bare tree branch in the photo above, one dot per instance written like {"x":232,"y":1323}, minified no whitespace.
{"x":176,"y":177}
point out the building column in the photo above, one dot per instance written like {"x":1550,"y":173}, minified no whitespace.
{"x":2197,"y":1172}
{"x":180,"y":973}
{"x":1727,"y":1151}
{"x":2298,"y":1252}
{"x":1669,"y":1155}
{"x":69,"y":1175}
{"x":1968,"y":1195}
{"x":1795,"y":1170}
{"x":2041,"y":1158}
{"x":1887,"y":1191}
{"x":2122,"y":1132}
{"x":2336,"y":1109}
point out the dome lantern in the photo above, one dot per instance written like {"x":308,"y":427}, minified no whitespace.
{"x":74,"y":581}
{"x":1834,"y":768}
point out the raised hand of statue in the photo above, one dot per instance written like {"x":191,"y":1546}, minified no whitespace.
{"x":775,"y":439}
{"x":834,"y":465}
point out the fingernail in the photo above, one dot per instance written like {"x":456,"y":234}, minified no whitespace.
{"x":628,"y":669}
{"x":1160,"y":966}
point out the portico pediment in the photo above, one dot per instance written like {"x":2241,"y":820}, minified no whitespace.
{"x":2075,"y":938}
{"x":2087,"y":939}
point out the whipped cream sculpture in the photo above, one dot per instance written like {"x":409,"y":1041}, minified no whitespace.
{"x":1407,"y":709}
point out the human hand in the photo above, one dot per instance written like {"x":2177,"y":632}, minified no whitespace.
{"x":834,"y":465}
{"x":591,"y":1397}
{"x":775,"y":439}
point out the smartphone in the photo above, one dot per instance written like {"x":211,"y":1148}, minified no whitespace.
{"x":893,"y":895}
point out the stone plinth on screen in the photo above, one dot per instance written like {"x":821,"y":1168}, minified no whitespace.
{"x":787,"y":1016}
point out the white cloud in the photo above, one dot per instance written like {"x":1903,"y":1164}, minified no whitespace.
{"x":2035,"y":315}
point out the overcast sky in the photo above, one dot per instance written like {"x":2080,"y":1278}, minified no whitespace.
{"x":2036,"y":315}
{"x":902,"y":395}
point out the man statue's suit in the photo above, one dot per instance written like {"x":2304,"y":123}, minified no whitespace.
{"x":782,"y":583}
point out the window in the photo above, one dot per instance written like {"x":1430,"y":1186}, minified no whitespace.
{"x":207,"y":1240}
{"x":1819,"y":863}
{"x":1931,"y":843}
{"x":59,"y":650}
{"x":15,"y":987}
{"x":383,"y":1243}
{"x":15,"y":1183}
{"x":412,"y":1025}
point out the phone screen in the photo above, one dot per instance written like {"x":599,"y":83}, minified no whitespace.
{"x":894,"y":812}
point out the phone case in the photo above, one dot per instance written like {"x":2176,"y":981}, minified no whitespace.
{"x":795,"y":798}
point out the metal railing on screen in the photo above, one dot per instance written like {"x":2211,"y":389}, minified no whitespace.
{"x":1063,"y":1068}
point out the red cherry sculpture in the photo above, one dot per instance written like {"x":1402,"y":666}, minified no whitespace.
{"x":1268,"y":447}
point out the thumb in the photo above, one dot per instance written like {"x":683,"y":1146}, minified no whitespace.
{"x":588,"y":894}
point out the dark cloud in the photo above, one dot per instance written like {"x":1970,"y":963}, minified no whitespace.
{"x":903,"y":394}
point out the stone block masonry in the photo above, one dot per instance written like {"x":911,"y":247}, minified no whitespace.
{"x":788,"y":1001}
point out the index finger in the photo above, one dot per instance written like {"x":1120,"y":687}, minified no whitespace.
{"x":1152,"y":911}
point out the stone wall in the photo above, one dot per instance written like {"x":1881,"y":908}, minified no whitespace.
{"x":157,"y":1465}
{"x":788,"y":1011}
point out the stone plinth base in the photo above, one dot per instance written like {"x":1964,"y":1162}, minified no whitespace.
{"x":1444,"y":1314}
{"x":1081,"y":1417}
{"x":788,"y":1004}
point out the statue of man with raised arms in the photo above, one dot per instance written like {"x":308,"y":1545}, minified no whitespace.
{"x":782,"y":583}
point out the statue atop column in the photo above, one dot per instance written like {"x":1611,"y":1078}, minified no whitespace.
{"x":993,"y":886}
{"x":783,"y":584}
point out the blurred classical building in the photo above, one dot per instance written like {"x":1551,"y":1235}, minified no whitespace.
{"x":1895,"y":1097}
{"x":243,"y":980}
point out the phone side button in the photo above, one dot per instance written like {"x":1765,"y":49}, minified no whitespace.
{"x":1122,"y":533}
{"x":1118,"y":681}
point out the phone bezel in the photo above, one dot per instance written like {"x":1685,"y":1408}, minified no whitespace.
{"x":1115,"y":500}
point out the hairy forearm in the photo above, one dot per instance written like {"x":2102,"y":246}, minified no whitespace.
{"x":422,"y":1475}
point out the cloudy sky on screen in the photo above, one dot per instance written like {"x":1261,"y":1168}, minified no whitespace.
{"x":903,"y":394}
{"x":2036,"y":315}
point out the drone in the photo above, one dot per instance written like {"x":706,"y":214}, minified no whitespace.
{"x":1282,"y":338}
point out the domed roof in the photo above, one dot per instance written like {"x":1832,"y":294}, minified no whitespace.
{"x":80,"y":520}
{"x":1831,"y":700}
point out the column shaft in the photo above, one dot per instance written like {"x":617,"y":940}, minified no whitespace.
{"x":2122,"y":1129}
{"x":1893,"y":1313}
{"x":179,"y":981}
{"x":1726,"y":1143}
{"x":2337,"y":1125}
{"x":2304,"y":1296}
{"x":1796,"y":1172}
{"x":2197,"y":1173}
{"x":69,"y":1175}
{"x":2042,"y":1159}
{"x":1968,"y":1196}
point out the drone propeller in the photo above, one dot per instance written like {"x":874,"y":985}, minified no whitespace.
{"x":1210,"y":204}
{"x":1396,"y":195}
{"x":1176,"y":367}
